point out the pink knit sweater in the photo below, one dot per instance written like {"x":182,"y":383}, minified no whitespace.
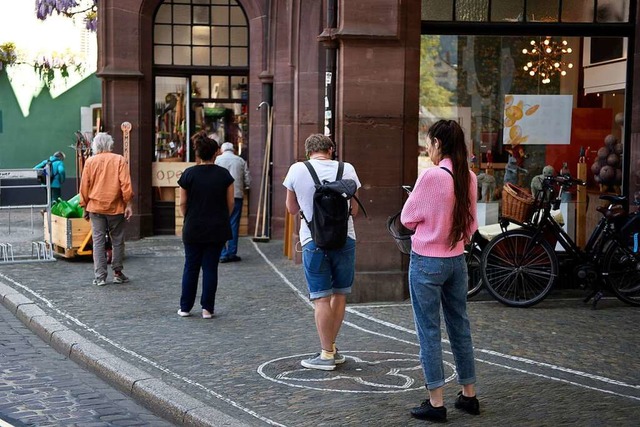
{"x":429,"y":211}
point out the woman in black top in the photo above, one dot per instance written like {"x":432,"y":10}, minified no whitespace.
{"x":206,"y":198}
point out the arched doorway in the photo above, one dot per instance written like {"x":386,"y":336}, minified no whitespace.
{"x":201,"y":83}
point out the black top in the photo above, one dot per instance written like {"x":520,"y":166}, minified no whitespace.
{"x":207,"y":216}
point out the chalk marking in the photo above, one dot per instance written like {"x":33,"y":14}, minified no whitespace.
{"x":278,"y":378}
{"x":490,"y":352}
{"x":506,"y":356}
{"x":140,"y":357}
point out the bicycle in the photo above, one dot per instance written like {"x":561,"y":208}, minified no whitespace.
{"x":520,"y":267}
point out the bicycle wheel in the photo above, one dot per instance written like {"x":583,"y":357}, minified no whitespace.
{"x":518,"y":270}
{"x":474,"y":271}
{"x":621,"y":272}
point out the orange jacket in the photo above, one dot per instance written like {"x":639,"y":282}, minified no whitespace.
{"x":106,"y":184}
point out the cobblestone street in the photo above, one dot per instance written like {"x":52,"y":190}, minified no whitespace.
{"x":39,"y":387}
{"x":557,"y":363}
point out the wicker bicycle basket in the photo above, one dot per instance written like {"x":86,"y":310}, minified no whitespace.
{"x":517,"y":204}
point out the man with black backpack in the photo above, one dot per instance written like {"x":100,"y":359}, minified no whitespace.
{"x":58,"y":174}
{"x":320,"y":190}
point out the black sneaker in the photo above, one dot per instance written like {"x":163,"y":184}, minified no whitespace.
{"x":469,"y":405}
{"x":428,"y":412}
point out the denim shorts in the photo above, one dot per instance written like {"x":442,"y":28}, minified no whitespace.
{"x":329,"y":271}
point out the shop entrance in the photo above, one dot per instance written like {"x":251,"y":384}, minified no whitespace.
{"x":201,"y":67}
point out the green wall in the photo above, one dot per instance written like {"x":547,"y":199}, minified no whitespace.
{"x":49,"y":127}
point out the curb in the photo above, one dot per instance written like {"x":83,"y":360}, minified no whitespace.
{"x":157,"y":396}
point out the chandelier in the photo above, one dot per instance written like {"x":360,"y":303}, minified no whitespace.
{"x":546,"y":58}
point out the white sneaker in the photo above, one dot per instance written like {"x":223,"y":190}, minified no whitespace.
{"x":183,"y":313}
{"x":99,"y":282}
{"x":206,"y":314}
{"x":317,"y":362}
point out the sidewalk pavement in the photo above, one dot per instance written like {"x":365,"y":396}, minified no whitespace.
{"x":553,"y":364}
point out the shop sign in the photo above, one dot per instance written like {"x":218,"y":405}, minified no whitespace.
{"x":166,"y":174}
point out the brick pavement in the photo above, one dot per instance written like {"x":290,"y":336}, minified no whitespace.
{"x":556,"y":363}
{"x":40,"y":387}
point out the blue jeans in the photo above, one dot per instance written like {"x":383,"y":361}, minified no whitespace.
{"x":434,"y":282}
{"x":329,"y":271}
{"x":196,"y":256}
{"x":231,"y":248}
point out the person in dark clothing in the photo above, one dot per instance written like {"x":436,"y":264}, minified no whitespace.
{"x":206,"y":199}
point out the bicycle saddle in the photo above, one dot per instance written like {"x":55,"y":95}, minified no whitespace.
{"x":615,"y":212}
{"x":616,"y":200}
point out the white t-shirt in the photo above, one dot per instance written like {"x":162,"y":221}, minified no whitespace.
{"x":299,"y":181}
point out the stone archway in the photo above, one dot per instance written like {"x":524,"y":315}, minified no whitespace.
{"x":125,"y":46}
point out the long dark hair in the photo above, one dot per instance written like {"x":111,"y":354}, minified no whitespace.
{"x":204,"y":146}
{"x":452,"y":144}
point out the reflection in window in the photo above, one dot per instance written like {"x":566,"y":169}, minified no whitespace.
{"x":472,"y":10}
{"x":515,"y":123}
{"x":507,"y":10}
{"x":536,"y":10}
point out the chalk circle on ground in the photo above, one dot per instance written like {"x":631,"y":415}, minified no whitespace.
{"x":362,"y":372}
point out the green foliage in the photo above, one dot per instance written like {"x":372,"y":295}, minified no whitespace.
{"x":48,"y":68}
{"x":8,"y":54}
{"x":431,"y":93}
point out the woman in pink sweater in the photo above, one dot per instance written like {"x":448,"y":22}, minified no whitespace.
{"x":442,"y":211}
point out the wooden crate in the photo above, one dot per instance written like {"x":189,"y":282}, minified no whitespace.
{"x":68,"y":234}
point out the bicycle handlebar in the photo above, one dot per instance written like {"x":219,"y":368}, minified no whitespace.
{"x":564,"y":180}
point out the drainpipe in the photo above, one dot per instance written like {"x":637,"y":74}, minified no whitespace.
{"x":331,"y":55}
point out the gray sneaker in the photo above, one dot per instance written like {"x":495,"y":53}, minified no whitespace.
{"x":339,"y":358}
{"x":316,"y":362}
{"x":119,"y":277}
{"x":99,"y":282}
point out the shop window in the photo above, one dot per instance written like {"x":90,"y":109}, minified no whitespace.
{"x":171,"y":141}
{"x":507,"y":10}
{"x":523,"y":110}
{"x":220,"y":36}
{"x":437,"y":10}
{"x":201,"y":35}
{"x":542,"y":10}
{"x":472,"y":10}
{"x":162,"y":54}
{"x":198,"y":40}
{"x":214,"y":24}
{"x":529,"y":10}
{"x":162,"y":34}
{"x":200,"y":15}
{"x":164,"y":14}
{"x":220,"y":15}
{"x":474,"y":78}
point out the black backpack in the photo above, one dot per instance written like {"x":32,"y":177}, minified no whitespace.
{"x":330,"y":222}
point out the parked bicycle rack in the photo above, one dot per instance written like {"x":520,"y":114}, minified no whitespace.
{"x":40,"y":250}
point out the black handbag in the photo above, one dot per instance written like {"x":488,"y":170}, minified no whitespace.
{"x":401,"y":234}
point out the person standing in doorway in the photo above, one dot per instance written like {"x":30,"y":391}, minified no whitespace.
{"x":442,"y":211}
{"x":329,"y":273}
{"x":58,"y":174}
{"x":238,"y":169}
{"x":105,"y":195}
{"x":206,"y":198}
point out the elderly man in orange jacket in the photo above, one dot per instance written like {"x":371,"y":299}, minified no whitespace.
{"x":105,"y":194}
